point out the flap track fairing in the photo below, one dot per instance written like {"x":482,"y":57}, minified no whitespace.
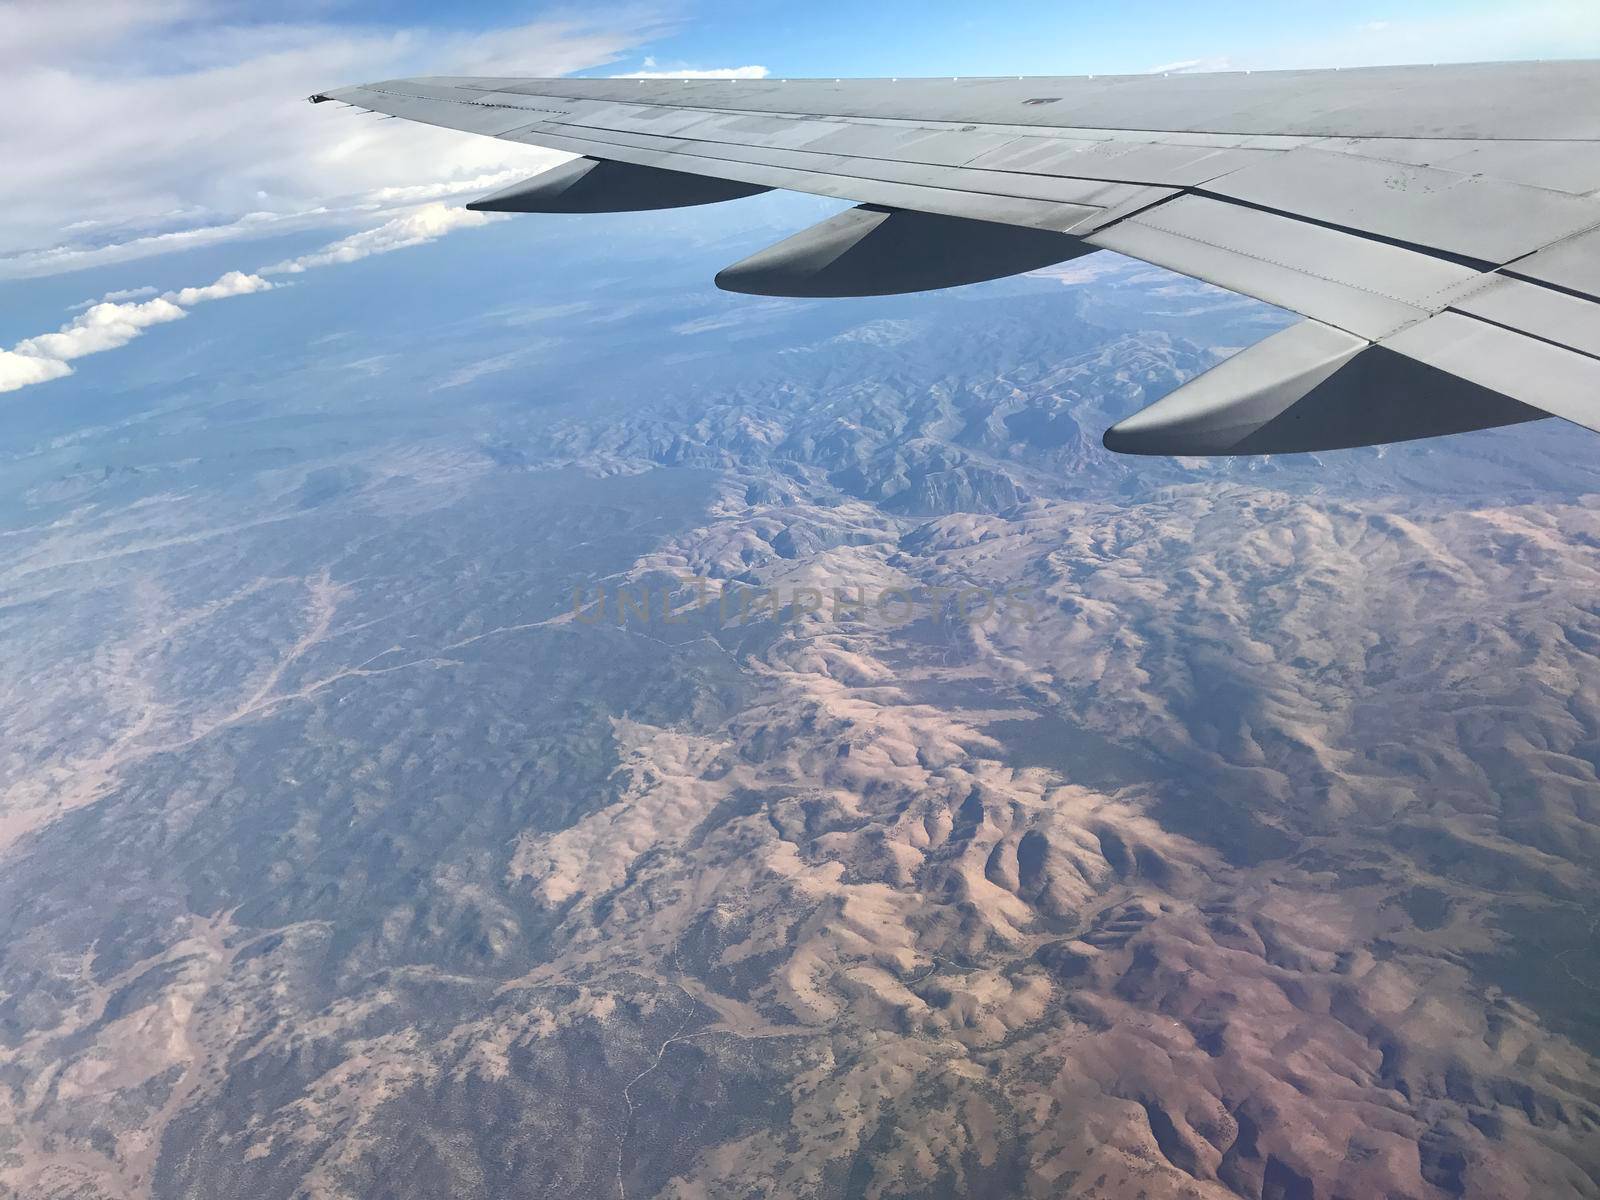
{"x":876,"y":251}
{"x":595,"y":185}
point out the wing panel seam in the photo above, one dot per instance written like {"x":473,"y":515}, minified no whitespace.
{"x":1058,"y":205}
{"x":537,"y":129}
{"x":1042,"y":175}
{"x":1298,"y":270}
{"x":1532,"y":337}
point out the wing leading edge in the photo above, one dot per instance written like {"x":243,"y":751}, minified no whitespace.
{"x":1438,"y":226}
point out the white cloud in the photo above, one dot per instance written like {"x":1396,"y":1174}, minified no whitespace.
{"x":37,"y":31}
{"x":117,"y":319}
{"x":1189,"y":66}
{"x":122,"y":113}
{"x":19,"y":370}
{"x":99,"y":328}
{"x":126,"y":116}
{"x":234,"y":283}
{"x":488,"y":366}
{"x":425,"y":224}
{"x":1472,"y":31}
{"x":59,"y":259}
{"x":417,"y":193}
{"x":138,"y":293}
{"x":549,"y":47}
{"x":752,"y":72}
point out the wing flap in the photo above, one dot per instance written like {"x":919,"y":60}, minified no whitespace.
{"x":1365,"y":287}
{"x":1541,"y":164}
{"x":1573,"y":264}
{"x":1488,"y":220}
{"x":944,"y":200}
{"x":1065,"y":191}
{"x":1161,"y":163}
{"x":1553,"y":378}
{"x":1551,"y":316}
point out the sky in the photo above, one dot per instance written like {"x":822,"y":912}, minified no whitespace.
{"x":160,"y":156}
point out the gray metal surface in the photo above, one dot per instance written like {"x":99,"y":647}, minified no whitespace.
{"x":1485,"y":219}
{"x":592,"y":185}
{"x":1363,"y":286}
{"x":896,"y":165}
{"x":933,"y":194}
{"x":1548,"y":315}
{"x":1487,"y":100}
{"x":1573,"y":264}
{"x":1552,"y":165}
{"x":1215,"y":412}
{"x":870,"y":251}
{"x":1441,"y":224}
{"x":1310,"y":387}
{"x":1117,"y":160}
{"x":1550,"y":377}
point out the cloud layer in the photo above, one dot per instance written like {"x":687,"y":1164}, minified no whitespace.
{"x":752,"y":72}
{"x":224,"y":147}
{"x":120,"y":317}
{"x":425,"y":224}
{"x":108,"y":325}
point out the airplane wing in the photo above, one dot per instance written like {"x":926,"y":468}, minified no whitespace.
{"x":1439,"y":227}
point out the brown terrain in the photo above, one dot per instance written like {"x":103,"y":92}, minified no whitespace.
{"x":1175,"y":830}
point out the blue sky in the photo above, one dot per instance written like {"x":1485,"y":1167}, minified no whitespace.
{"x":939,"y":37}
{"x":943,"y":37}
{"x":154,"y":146}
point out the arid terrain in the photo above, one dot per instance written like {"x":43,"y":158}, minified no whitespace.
{"x":802,"y":764}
